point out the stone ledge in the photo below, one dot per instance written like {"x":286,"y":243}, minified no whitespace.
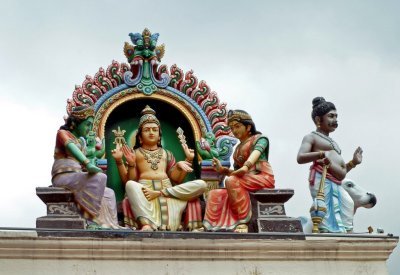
{"x":351,"y":248}
{"x":160,"y":253}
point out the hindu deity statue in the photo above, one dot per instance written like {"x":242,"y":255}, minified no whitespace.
{"x":93,"y":150}
{"x":154,"y":180}
{"x":230,"y":208}
{"x":327,"y":171}
{"x":75,"y":172}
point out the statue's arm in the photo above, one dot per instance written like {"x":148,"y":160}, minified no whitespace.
{"x":123,"y":174}
{"x":74,"y":150}
{"x":337,"y":170}
{"x":101,"y":151}
{"x":357,"y":159}
{"x":306,"y":154}
{"x":177,"y":175}
{"x":179,"y":171}
{"x":251,"y":160}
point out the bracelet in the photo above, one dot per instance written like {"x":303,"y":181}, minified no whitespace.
{"x":321,"y":154}
{"x":133,"y":166}
{"x":224,"y":170}
{"x":86,"y":161}
{"x":119,"y":162}
{"x":351,"y":164}
{"x":248,"y":164}
{"x":186,"y":159}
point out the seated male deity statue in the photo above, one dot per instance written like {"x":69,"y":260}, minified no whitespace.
{"x":324,"y":153}
{"x":153,"y":180}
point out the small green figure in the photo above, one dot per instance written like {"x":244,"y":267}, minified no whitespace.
{"x":93,"y":152}
{"x":207,"y":148}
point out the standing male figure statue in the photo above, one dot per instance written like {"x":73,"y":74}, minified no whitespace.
{"x":320,"y":149}
{"x":153,"y":180}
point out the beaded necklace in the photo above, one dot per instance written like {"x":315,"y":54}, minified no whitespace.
{"x":152,"y":157}
{"x":334,"y":145}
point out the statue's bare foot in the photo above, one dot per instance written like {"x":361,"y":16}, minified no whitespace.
{"x":147,"y":227}
{"x":150,"y":194}
{"x":241,"y":228}
{"x":198,"y":229}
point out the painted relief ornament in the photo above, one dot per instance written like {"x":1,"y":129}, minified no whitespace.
{"x":210,"y":147}
{"x":144,"y":56}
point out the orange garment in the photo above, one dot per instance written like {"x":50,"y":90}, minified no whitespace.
{"x":229,"y":207}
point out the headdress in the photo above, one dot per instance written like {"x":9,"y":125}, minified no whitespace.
{"x":238,"y":115}
{"x":82,"y":112}
{"x":148,"y":116}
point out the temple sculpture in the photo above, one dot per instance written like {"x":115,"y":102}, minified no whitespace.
{"x":153,"y":180}
{"x":330,"y":207}
{"x":145,"y":119}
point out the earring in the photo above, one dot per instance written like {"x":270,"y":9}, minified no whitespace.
{"x":318,"y":125}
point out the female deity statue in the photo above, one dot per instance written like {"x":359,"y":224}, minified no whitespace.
{"x":153,"y":180}
{"x":230,"y":208}
{"x":74,"y":171}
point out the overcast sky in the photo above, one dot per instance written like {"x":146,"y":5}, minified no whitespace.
{"x":268,"y":57}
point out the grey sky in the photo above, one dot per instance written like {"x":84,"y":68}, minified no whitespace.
{"x":268,"y":57}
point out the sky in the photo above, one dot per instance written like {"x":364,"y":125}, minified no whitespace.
{"x":270,"y":58}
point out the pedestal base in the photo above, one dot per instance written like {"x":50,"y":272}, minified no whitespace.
{"x":62,"y":211}
{"x":269,"y":212}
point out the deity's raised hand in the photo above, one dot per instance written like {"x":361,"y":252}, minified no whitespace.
{"x":216,"y":164}
{"x":117,"y":152}
{"x":129,"y":154}
{"x":357,"y":156}
{"x":189,"y":153}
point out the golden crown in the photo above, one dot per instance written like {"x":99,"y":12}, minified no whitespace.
{"x":148,"y":116}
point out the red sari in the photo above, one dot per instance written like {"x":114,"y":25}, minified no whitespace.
{"x":229,"y":207}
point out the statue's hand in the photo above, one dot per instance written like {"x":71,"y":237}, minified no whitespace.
{"x":185,"y":166}
{"x":240,"y":172}
{"x":357,"y":156}
{"x":189,"y":153}
{"x":216,"y":164}
{"x":117,"y":153}
{"x":93,"y":169}
{"x":129,"y":154}
{"x":324,"y":161}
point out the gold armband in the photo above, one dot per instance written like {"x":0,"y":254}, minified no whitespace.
{"x":86,"y":161}
{"x":133,"y":166}
{"x":351,"y":164}
{"x":248,"y":164}
{"x":119,"y":162}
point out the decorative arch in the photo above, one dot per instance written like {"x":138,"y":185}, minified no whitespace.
{"x":142,"y":78}
{"x":191,"y":111}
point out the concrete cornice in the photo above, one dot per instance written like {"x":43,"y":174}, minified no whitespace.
{"x":26,"y":245}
